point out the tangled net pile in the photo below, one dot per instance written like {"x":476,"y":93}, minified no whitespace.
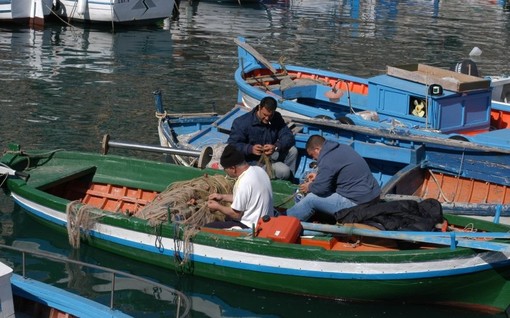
{"x":185,"y":202}
{"x":77,"y":219}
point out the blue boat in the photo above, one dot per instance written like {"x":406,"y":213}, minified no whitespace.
{"x":406,"y":166}
{"x":418,"y":99}
{"x":25,"y":296}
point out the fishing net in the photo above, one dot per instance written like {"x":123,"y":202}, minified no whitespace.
{"x":185,"y":202}
{"x":79,"y":217}
{"x":182,"y":203}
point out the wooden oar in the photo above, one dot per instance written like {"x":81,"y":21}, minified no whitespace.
{"x":452,"y":239}
{"x":255,"y":54}
{"x":204,"y":156}
{"x":395,"y":135}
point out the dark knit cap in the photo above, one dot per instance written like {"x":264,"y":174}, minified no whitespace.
{"x":231,"y":157}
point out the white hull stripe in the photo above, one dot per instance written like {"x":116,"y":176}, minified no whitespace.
{"x":279,"y":265}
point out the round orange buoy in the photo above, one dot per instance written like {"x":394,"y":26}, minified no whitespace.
{"x":334,"y":95}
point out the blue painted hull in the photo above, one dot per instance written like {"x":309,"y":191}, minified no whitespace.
{"x":388,"y":155}
{"x":380,"y":102}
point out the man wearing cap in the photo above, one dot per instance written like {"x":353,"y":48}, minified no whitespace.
{"x":343,"y":180}
{"x":263,"y":134}
{"x":252,"y":195}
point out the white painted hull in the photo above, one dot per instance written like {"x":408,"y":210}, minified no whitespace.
{"x":283,"y":266}
{"x":13,"y":10}
{"x":122,"y":11}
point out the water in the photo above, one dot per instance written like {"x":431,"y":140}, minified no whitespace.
{"x":65,"y":87}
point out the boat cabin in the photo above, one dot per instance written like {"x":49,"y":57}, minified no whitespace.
{"x":432,"y":98}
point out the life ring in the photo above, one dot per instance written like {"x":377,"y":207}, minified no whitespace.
{"x":458,"y":137}
{"x":346,"y":121}
{"x":466,"y":67}
{"x":323,"y":117}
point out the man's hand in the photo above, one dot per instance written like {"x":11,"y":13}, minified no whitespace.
{"x":303,"y":187}
{"x":215,"y":197}
{"x":213,"y":205}
{"x":269,"y":149}
{"x":257,"y":150}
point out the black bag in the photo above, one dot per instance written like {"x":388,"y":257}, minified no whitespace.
{"x":399,"y":215}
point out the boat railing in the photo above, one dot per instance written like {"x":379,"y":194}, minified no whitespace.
{"x":183,"y":303}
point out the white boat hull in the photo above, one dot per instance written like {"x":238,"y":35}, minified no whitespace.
{"x":121,"y":11}
{"x":14,"y":10}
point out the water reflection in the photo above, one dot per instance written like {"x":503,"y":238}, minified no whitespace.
{"x":58,"y":48}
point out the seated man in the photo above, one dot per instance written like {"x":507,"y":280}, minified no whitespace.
{"x":262,"y":134}
{"x":252,"y":196}
{"x":343,"y":180}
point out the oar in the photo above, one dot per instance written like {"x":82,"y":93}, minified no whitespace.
{"x":385,"y":133}
{"x":204,"y":156}
{"x":255,"y":54}
{"x":450,"y":238}
{"x":11,"y":172}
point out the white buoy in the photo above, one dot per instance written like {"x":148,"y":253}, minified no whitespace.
{"x":475,"y":51}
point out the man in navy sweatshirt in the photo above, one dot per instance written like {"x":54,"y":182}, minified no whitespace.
{"x":264,"y":138}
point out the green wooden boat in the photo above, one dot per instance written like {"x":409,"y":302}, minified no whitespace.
{"x":469,"y":267}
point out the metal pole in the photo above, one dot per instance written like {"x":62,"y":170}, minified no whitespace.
{"x":205,"y":155}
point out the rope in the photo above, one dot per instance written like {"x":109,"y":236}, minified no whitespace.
{"x":5,"y":177}
{"x":266,"y":162}
{"x":82,"y":218}
{"x":161,"y":115}
{"x":287,"y":200}
{"x":185,"y":202}
{"x":442,"y":194}
{"x":58,"y":17}
{"x":183,"y":246}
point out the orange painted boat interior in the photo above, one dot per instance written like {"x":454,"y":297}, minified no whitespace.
{"x":449,"y":188}
{"x":117,"y":199}
{"x":103,"y":196}
{"x":26,"y":307}
{"x":126,"y":200}
{"x":500,"y":119}
{"x":264,"y":78}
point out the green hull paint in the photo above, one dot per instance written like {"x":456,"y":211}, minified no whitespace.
{"x":488,"y":289}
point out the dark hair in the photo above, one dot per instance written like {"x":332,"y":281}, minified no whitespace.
{"x":315,"y":141}
{"x":268,"y":103}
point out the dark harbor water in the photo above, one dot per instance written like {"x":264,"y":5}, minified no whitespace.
{"x":65,"y":87}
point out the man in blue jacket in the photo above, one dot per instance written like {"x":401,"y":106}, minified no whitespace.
{"x":343,"y":180}
{"x":263,"y":137}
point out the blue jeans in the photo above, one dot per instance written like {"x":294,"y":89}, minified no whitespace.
{"x":312,"y":203}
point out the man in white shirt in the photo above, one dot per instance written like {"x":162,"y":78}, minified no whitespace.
{"x":252,"y":195}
